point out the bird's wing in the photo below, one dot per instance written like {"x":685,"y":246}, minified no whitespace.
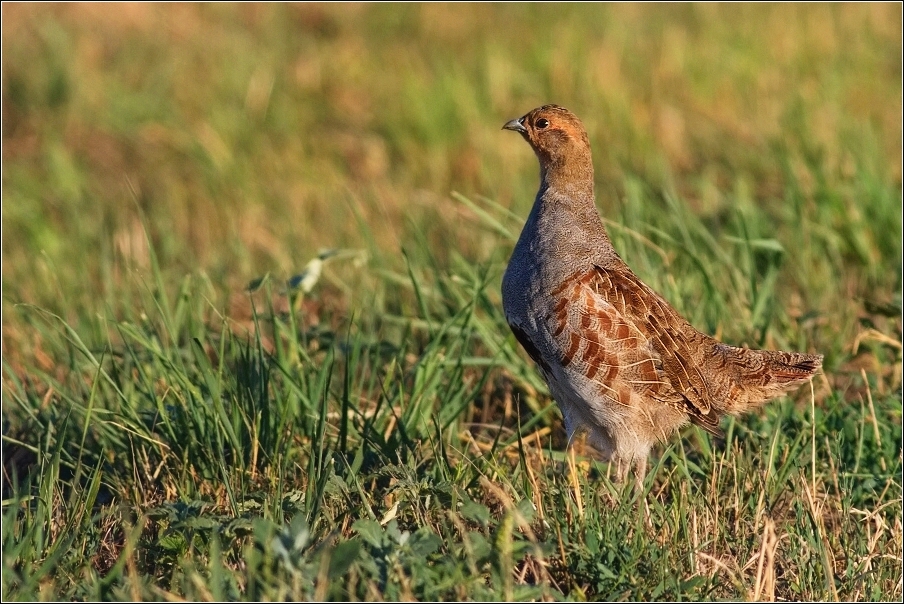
{"x":622,"y":335}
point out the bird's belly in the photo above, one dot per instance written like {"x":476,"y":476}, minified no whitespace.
{"x":615,"y":416}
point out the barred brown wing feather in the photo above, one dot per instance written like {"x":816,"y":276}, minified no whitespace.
{"x":600,"y":338}
{"x":669,"y":335}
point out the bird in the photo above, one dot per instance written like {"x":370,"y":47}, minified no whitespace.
{"x":623,"y":365}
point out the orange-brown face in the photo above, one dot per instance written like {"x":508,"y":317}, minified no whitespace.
{"x":552,"y":131}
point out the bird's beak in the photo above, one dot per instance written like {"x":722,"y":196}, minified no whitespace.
{"x":516,"y":125}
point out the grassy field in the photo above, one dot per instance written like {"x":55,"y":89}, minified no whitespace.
{"x":253,"y":345}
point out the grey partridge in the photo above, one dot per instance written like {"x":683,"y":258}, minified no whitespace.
{"x":622,"y":364}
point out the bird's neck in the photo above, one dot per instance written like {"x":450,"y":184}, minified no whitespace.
{"x":565,"y":222}
{"x":566,"y":190}
{"x":569,"y":174}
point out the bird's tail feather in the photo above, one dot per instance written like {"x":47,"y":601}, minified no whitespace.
{"x":762,"y":375}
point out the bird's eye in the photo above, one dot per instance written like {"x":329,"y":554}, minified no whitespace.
{"x":542,"y":123}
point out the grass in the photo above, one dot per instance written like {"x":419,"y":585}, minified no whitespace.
{"x":372,"y":430}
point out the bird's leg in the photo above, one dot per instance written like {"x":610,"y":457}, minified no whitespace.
{"x":640,"y":472}
{"x":575,"y":483}
{"x":621,"y":469}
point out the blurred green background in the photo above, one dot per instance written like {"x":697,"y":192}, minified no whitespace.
{"x":248,"y":137}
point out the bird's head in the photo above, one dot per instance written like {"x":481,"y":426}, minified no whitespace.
{"x":555,"y":134}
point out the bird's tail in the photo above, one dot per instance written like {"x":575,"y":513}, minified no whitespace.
{"x":761,"y":375}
